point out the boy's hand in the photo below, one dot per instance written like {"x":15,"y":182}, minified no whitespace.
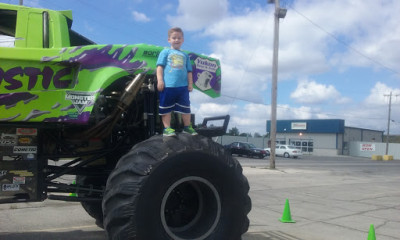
{"x":190,"y":87}
{"x":160,"y":86}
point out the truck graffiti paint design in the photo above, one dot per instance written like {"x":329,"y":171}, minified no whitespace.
{"x":55,"y":91}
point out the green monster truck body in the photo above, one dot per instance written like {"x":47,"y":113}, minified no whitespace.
{"x":63,"y":97}
{"x":62,"y":85}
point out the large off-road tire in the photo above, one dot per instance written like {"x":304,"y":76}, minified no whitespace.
{"x":181,"y":188}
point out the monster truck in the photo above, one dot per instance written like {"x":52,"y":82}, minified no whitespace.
{"x":73,"y":110}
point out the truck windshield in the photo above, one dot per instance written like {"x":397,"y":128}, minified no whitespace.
{"x":8,"y":20}
{"x":77,"y":39}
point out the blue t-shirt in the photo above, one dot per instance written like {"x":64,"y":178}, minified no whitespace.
{"x":176,"y":66}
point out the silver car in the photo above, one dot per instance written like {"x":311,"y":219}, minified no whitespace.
{"x":286,"y":151}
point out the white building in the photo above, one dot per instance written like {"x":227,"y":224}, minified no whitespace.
{"x":322,"y":136}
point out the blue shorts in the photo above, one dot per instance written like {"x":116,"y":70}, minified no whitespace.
{"x":174,"y":99}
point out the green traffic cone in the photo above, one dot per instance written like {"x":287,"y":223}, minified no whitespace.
{"x":286,"y":216}
{"x":73,"y":194}
{"x":371,"y":234}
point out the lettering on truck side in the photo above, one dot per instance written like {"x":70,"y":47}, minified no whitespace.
{"x":8,"y":78}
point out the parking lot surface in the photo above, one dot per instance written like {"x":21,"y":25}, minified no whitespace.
{"x":330,"y":198}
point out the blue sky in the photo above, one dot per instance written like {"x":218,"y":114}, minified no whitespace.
{"x":337,"y":59}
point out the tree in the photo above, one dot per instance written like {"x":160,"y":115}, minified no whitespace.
{"x":245,"y":134}
{"x":257,"y":135}
{"x":233,"y":131}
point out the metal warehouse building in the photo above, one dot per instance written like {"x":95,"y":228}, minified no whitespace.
{"x":322,"y":136}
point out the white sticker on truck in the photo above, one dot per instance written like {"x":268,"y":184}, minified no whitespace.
{"x":25,"y":149}
{"x":10,"y":187}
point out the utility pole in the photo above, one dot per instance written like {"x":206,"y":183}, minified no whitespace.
{"x":279,"y":13}
{"x":21,"y":2}
{"x":388,"y":123}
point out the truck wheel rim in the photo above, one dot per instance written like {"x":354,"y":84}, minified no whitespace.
{"x":180,"y":217}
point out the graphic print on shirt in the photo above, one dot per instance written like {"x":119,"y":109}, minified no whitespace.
{"x":176,"y":61}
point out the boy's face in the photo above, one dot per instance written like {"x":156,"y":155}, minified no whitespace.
{"x":176,"y":40}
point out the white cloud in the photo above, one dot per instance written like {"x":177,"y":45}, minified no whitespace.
{"x":213,"y":109}
{"x":287,"y":112}
{"x":251,"y":118}
{"x":311,"y":92}
{"x":379,"y":95}
{"x":197,"y":14}
{"x":372,"y":113}
{"x":140,"y":17}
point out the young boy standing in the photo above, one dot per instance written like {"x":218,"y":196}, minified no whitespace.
{"x":174,"y":82}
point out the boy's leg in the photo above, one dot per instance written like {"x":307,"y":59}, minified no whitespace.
{"x":183,"y":107}
{"x":186,"y":119}
{"x":166,"y":120}
{"x":165,"y":108}
{"x":187,"y":125}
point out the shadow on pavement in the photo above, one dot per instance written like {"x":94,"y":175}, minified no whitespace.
{"x":270,"y":235}
{"x":100,"y":235}
{"x":76,"y":235}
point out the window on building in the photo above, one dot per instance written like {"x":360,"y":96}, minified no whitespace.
{"x":310,"y":146}
{"x":306,"y":145}
{"x":281,"y":141}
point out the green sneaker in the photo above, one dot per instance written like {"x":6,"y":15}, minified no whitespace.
{"x":189,"y":130}
{"x":169,"y":132}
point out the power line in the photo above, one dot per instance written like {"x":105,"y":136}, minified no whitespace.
{"x":303,"y":111}
{"x":343,"y":42}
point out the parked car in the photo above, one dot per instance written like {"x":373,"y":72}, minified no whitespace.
{"x":245,"y":149}
{"x":286,"y":151}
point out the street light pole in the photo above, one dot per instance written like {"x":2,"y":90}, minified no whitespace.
{"x":279,"y":13}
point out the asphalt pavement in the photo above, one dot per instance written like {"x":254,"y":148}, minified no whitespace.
{"x":329,"y":198}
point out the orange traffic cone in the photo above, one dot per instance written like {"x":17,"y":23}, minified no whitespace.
{"x":286,"y":216}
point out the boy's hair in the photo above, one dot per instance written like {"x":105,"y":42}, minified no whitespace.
{"x":174,"y":29}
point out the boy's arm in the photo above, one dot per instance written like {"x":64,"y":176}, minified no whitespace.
{"x":189,"y":72}
{"x":160,"y":78}
{"x":190,"y":81}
